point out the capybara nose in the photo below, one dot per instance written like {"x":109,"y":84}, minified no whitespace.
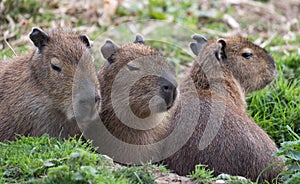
{"x":168,"y":92}
{"x":97,"y":98}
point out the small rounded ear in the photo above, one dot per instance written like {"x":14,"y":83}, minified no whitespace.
{"x":220,"y":52}
{"x":108,"y":49}
{"x":139,"y":39}
{"x":39,"y":38}
{"x":85,"y":40}
{"x":196,"y":46}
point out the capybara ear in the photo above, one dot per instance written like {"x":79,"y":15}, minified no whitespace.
{"x":196,"y":46}
{"x":220,"y":52}
{"x":85,"y":40}
{"x":139,"y":39}
{"x":108,"y":49}
{"x":39,"y":38}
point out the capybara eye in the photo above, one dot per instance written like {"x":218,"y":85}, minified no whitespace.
{"x":247,"y":55}
{"x":132,"y":68}
{"x":56,"y":64}
{"x":56,"y":68}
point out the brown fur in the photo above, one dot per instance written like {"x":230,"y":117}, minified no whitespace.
{"x":253,"y":73}
{"x":35,"y":99}
{"x":240,"y":146}
{"x":140,"y":94}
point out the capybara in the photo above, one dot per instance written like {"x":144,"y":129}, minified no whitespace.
{"x":138,"y":87}
{"x":225,"y":138}
{"x":36,"y":89}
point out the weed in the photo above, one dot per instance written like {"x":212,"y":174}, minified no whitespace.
{"x":291,"y":151}
{"x":49,"y":160}
{"x":277,"y":106}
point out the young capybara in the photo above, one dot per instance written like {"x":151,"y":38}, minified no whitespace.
{"x":224,"y":137}
{"x":137,"y":89}
{"x":36,"y":89}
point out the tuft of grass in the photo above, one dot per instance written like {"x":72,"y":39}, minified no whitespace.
{"x":49,"y":161}
{"x":140,"y":174}
{"x":28,"y":157}
{"x":202,"y":174}
{"x":205,"y":176}
{"x":290,"y":66}
{"x":277,"y":106}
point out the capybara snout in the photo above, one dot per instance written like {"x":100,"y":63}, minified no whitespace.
{"x":167,"y":91}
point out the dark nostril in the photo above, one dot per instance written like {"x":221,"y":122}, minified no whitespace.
{"x":168,"y":92}
{"x":166,"y":88}
{"x":97,"y":99}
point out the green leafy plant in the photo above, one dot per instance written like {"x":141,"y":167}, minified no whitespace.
{"x":202,"y":174}
{"x":234,"y":179}
{"x":291,"y":151}
{"x":48,"y":160}
{"x":136,"y":174}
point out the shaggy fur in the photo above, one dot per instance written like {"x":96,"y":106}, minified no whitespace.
{"x":240,"y":147}
{"x":37,"y":99}
{"x":139,"y":96}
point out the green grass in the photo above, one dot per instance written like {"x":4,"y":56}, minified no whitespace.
{"x":290,"y":150}
{"x":202,"y":174}
{"x":48,"y":160}
{"x":181,"y":11}
{"x":205,"y":176}
{"x":140,"y":174}
{"x":277,"y":106}
{"x":8,"y":54}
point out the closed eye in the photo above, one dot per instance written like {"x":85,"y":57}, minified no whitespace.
{"x":247,"y":55}
{"x":56,"y":68}
{"x":132,"y":68}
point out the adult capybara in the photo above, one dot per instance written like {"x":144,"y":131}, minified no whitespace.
{"x":225,"y":138}
{"x":36,"y":90}
{"x":137,"y":89}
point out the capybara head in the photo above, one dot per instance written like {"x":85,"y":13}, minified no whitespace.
{"x":142,"y":72}
{"x":62,"y":60}
{"x":250,"y":64}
